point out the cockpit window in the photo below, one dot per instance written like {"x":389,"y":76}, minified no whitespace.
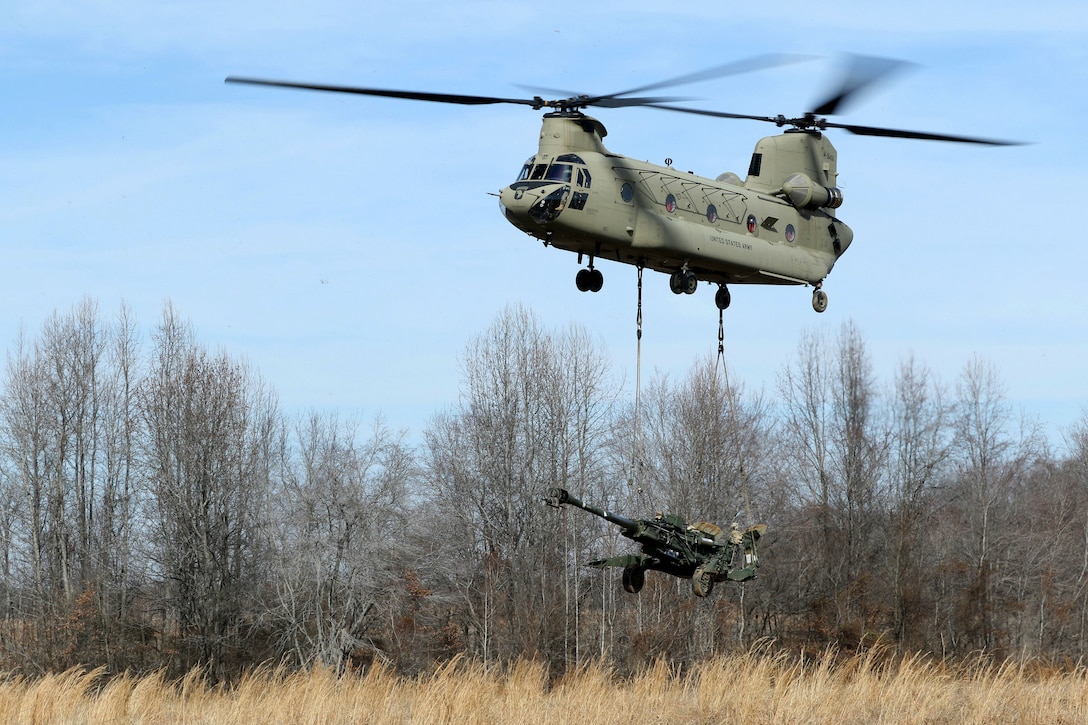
{"x":559,"y":172}
{"x":570,"y":158}
{"x":526,"y":168}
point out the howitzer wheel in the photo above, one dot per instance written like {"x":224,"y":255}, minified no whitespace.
{"x":634,"y":577}
{"x":701,"y":582}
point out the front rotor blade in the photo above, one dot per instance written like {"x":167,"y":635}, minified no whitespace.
{"x":620,"y":99}
{"x":411,"y":95}
{"x":717,"y":114}
{"x":575,"y":98}
{"x":922,"y":135}
{"x":610,"y":102}
{"x":760,"y":62}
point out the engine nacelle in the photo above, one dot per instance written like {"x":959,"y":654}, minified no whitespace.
{"x":804,"y":193}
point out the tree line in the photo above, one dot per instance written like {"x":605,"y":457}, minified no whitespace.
{"x":159,"y":510}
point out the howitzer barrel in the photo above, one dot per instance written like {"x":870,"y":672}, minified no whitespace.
{"x":559,"y":496}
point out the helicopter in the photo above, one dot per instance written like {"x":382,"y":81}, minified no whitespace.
{"x":777,"y":226}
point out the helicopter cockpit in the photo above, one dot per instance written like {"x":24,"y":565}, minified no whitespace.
{"x":549,"y":183}
{"x":563,"y":170}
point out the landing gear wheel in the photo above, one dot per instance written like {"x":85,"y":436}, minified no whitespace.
{"x":690,"y":283}
{"x":676,"y":283}
{"x":683,"y":282}
{"x":596,"y":280}
{"x":589,"y":280}
{"x":722,"y":297}
{"x":819,"y":300}
{"x":581,"y":280}
{"x":701,"y":582}
{"x":633,"y":579}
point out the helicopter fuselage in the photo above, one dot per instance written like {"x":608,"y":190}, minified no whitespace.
{"x":574,"y":194}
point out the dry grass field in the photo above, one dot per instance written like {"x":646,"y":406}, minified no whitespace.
{"x":754,"y":688}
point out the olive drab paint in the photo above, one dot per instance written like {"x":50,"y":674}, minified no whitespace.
{"x":701,"y":551}
{"x":776,"y":227}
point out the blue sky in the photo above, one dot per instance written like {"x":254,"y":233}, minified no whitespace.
{"x":348,"y":247}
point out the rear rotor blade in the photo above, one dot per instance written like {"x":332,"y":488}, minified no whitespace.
{"x":862,"y":72}
{"x":411,"y":95}
{"x":812,"y":122}
{"x":922,"y":135}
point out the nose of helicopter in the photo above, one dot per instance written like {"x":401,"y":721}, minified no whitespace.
{"x":528,"y":203}
{"x":513,"y":203}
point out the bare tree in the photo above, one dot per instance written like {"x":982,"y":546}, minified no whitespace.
{"x":1076,"y":476}
{"x":212,"y":433}
{"x":343,"y":524}
{"x":533,"y":414}
{"x":122,"y":483}
{"x":921,"y":442}
{"x":156,"y":509}
{"x":64,"y":401}
{"x":702,"y":444}
{"x":991,"y":456}
{"x":837,"y":448}
{"x":28,"y":445}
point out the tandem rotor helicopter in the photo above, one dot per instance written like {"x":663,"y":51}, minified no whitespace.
{"x":777,"y":226}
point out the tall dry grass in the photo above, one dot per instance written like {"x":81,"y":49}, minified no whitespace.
{"x":759,"y":687}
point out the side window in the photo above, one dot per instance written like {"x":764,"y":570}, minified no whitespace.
{"x":584,"y":179}
{"x":756,"y":165}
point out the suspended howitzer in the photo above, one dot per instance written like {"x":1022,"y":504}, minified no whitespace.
{"x":702,"y":551}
